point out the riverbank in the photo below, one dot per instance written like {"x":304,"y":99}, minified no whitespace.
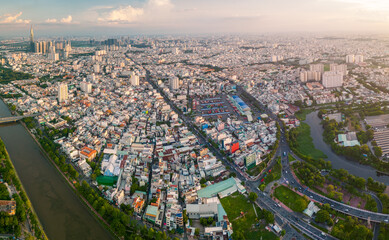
{"x":339,"y":162}
{"x":115,"y":221}
{"x":98,"y":217}
{"x":71,"y":185}
{"x":19,"y":186}
{"x":58,"y":207}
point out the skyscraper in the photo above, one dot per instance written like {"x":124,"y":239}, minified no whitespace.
{"x":174,"y":83}
{"x":32,"y":45}
{"x":134,"y":79}
{"x":62,"y":92}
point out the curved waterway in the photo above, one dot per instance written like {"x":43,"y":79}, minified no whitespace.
{"x":59,"y":209}
{"x":339,"y":161}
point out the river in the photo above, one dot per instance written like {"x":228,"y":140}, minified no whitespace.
{"x":339,"y":161}
{"x":59,"y":209}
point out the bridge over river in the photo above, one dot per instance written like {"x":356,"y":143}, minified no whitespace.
{"x":16,"y":118}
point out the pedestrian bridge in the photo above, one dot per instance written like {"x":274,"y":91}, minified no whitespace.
{"x":16,"y":118}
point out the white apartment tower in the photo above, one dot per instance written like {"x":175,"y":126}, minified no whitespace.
{"x":354,"y":58}
{"x":316,"y":67}
{"x":174,"y":83}
{"x":86,"y":87}
{"x":310,"y":76}
{"x":62,"y":92}
{"x":332,"y":79}
{"x":358,"y":59}
{"x":338,"y":68}
{"x":350,"y":58}
{"x":134,"y":79}
{"x":96,"y":68}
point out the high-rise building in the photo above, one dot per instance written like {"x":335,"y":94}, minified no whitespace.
{"x":96,"y":68}
{"x":310,"y":76}
{"x":44,"y":47}
{"x":316,"y":67}
{"x":62,"y":92}
{"x":86,"y":87}
{"x":174,"y":83}
{"x":134,"y":79}
{"x":332,"y":79}
{"x":338,"y":68}
{"x":36,"y":48}
{"x":53,"y":56}
{"x":358,"y":59}
{"x":350,"y":58}
{"x":354,"y":58}
{"x":32,"y":45}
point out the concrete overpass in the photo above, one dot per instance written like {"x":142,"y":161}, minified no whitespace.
{"x":16,"y":118}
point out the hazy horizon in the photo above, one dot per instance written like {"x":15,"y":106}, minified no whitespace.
{"x":149,"y":17}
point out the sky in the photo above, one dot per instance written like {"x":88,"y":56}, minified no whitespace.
{"x":122,"y":17}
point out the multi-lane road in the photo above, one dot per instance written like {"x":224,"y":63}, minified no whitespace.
{"x":282,"y":215}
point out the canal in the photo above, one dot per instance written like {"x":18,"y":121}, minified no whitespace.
{"x":339,"y":161}
{"x":59,"y":209}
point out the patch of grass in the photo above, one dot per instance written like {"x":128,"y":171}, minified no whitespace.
{"x":291,"y":158}
{"x":302,"y":114}
{"x":237,"y":203}
{"x":257,"y":169}
{"x":304,"y":143}
{"x":275,"y":172}
{"x":291,"y":199}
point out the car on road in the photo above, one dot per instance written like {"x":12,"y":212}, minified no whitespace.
{"x":284,"y":153}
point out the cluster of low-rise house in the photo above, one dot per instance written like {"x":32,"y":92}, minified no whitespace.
{"x":147,"y":157}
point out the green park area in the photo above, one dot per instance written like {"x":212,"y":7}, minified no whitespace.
{"x":384,"y":231}
{"x":274,"y":174}
{"x":302,"y":114}
{"x":245,"y":223}
{"x":291,"y":199}
{"x":351,"y":228}
{"x":7,"y":74}
{"x":300,"y":139}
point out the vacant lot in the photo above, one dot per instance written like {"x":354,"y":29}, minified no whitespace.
{"x":236,"y":204}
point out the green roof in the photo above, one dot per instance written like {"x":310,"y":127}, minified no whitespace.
{"x":220,"y":212}
{"x":213,"y":190}
{"x":342,"y":138}
{"x":151,"y":210}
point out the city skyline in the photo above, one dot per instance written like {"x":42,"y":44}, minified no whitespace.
{"x":194,"y":17}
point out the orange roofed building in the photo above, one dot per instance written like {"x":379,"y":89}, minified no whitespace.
{"x":88,"y":153}
{"x":8,"y":207}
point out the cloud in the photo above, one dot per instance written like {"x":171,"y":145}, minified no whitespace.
{"x":51,"y":20}
{"x":65,"y":20}
{"x":160,"y":3}
{"x":68,"y":19}
{"x":122,"y":14}
{"x":9,"y":18}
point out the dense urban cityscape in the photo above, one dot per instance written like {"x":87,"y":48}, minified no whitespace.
{"x":178,"y":136}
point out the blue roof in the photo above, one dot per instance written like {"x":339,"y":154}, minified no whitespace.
{"x":239,"y":101}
